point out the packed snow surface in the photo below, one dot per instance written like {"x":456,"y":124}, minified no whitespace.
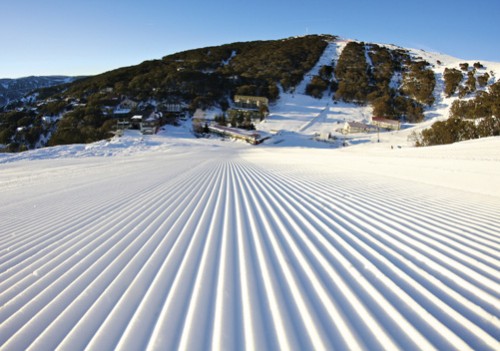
{"x":171,"y":242}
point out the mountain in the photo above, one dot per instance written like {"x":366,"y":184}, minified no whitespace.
{"x":14,"y":89}
{"x":379,"y":79}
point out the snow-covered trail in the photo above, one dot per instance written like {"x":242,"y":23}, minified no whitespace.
{"x":232,"y":249}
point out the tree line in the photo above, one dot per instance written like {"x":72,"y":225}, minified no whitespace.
{"x":201,"y":78}
{"x":469,"y":119}
{"x":365,"y":74}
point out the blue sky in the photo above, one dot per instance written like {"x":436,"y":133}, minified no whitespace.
{"x":75,"y":37}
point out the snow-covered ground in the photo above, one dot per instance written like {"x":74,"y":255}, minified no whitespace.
{"x":171,"y":242}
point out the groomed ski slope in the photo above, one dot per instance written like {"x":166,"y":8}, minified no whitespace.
{"x":196,"y":245}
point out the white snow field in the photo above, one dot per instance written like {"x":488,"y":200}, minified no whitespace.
{"x":170,"y":242}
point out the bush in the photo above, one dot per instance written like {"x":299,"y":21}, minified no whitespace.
{"x":478,"y":65}
{"x":452,"y":78}
{"x":482,"y":80}
{"x":221,"y":119}
{"x":419,"y":82}
{"x":455,"y":130}
{"x":411,"y":110}
{"x":384,"y":106}
{"x":471,"y":82}
{"x":485,"y":108}
{"x":326,"y":72}
{"x":250,"y":90}
{"x":448,"y":132}
{"x":13,"y":147}
{"x":485,"y":104}
{"x":6,"y":135}
{"x":316,"y":87}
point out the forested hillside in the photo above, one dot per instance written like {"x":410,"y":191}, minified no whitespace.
{"x":473,"y":118}
{"x":397,"y":85}
{"x":210,"y":75}
{"x":196,"y":78}
{"x":14,"y":89}
{"x":395,"y":82}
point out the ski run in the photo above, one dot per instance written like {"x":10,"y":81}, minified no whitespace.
{"x":173,"y":242}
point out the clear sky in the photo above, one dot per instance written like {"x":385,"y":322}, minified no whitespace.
{"x":76,"y":37}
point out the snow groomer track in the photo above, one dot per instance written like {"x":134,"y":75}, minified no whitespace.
{"x":237,"y":249}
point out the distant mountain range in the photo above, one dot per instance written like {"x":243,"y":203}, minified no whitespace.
{"x":13,"y":89}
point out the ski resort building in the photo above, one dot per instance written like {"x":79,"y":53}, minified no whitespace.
{"x":253,"y":108}
{"x":357,"y":127}
{"x":150,"y":124}
{"x":170,"y":107}
{"x":251,"y":102}
{"x":123,"y":124}
{"x":385,"y":123}
{"x":250,"y":136}
{"x":124,"y":107}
